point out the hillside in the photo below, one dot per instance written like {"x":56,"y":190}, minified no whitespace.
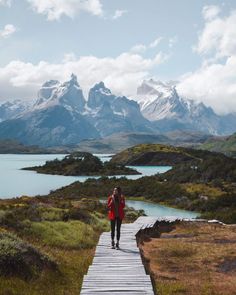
{"x":190,"y":165}
{"x":157,"y":154}
{"x":10,"y":146}
{"x":226,"y":145}
{"x":120,"y":141}
{"x":117,"y":142}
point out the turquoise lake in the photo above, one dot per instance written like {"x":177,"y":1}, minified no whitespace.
{"x":15,"y":182}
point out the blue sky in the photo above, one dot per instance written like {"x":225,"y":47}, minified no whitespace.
{"x":114,"y":41}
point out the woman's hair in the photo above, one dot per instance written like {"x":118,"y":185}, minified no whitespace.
{"x":118,"y":189}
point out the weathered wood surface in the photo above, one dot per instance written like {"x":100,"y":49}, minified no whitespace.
{"x":119,"y":271}
{"x":122,"y":272}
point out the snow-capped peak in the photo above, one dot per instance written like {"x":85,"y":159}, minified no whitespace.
{"x":73,"y":82}
{"x":100,"y":87}
{"x":50,"y":83}
{"x":156,"y":88}
{"x":69,"y":94}
{"x":14,"y":108}
{"x":160,"y":102}
{"x":98,"y":95}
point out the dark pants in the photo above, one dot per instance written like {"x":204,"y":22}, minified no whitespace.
{"x":116,"y":223}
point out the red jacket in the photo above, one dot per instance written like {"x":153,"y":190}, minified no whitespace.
{"x":111,"y":207}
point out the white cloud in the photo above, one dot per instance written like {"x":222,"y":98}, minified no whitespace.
{"x":5,"y":3}
{"x":122,"y":73}
{"x":138,"y":48}
{"x":142,"y":47}
{"x":172,"y":41}
{"x":8,"y":30}
{"x":218,"y":36}
{"x":118,"y":13}
{"x":161,"y":57}
{"x":210,"y":11}
{"x":155,"y":42}
{"x":214,"y":82}
{"x":55,"y":9}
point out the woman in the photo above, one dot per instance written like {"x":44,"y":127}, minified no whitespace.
{"x":116,"y":204}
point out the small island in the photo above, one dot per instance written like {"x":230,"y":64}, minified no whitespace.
{"x":82,"y":164}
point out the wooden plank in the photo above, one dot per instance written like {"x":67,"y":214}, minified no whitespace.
{"x":120,"y":271}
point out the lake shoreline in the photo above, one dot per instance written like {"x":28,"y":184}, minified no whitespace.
{"x":27,"y":182}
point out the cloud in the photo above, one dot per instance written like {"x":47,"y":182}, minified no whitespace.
{"x":8,"y":30}
{"x":142,"y":47}
{"x":214,"y":82}
{"x":118,"y":13}
{"x":172,"y":41}
{"x":155,"y":42}
{"x":5,"y":3}
{"x":209,"y":12}
{"x":55,"y":9}
{"x":122,"y":73}
{"x":161,"y":57}
{"x":138,"y":48}
{"x":218,"y":36}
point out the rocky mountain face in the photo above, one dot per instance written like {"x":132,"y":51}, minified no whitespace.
{"x":161,"y":104}
{"x":62,"y":116}
{"x":55,"y":118}
{"x":11,"y":109}
{"x":68,"y":94}
{"x":47,"y":127}
{"x":112,"y":114}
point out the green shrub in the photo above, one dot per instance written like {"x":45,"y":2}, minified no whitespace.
{"x":52,"y":214}
{"x":18,"y":258}
{"x":99,"y":223}
{"x":79,"y":214}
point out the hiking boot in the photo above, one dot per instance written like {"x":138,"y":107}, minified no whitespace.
{"x":117,"y":245}
{"x":113,"y":244}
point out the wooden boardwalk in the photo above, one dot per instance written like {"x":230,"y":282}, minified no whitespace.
{"x":119,"y":271}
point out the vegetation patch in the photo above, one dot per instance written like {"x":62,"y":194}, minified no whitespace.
{"x":82,"y":163}
{"x":188,"y":257}
{"x":153,"y":154}
{"x":18,"y":258}
{"x":226,"y":145}
{"x":69,"y":235}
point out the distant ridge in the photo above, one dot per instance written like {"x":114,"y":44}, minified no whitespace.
{"x":224,"y":144}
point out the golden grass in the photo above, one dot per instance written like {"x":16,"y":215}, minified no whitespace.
{"x":203,"y":189}
{"x":194,"y":259}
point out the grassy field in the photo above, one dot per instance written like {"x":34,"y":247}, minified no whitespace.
{"x":192,"y":258}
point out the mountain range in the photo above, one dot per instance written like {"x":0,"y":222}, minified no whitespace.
{"x":162,"y":105}
{"x":60,"y":115}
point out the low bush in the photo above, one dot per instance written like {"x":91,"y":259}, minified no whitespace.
{"x":18,"y":258}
